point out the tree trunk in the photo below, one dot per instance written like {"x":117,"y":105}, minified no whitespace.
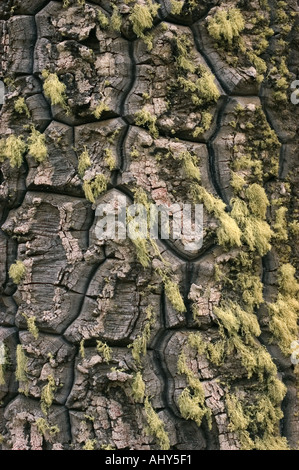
{"x":116,"y":342}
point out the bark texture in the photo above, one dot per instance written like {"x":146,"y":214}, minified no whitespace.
{"x":139,"y":345}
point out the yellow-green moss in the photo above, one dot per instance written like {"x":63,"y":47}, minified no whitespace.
{"x":37,"y":146}
{"x":21,"y":107}
{"x":226,"y":25}
{"x":192,"y":399}
{"x":176,"y":7}
{"x":54,"y":89}
{"x":17,"y":272}
{"x":94,"y":187}
{"x":13,"y":149}
{"x":45,"y":429}
{"x":189,"y":165}
{"x":280,"y":232}
{"x":145,"y":119}
{"x":140,"y":343}
{"x":138,"y":387}
{"x":31,"y":326}
{"x":174,"y":296}
{"x":104,"y":350}
{"x":84,"y":162}
{"x":116,"y":19}
{"x":47,"y":394}
{"x":90,"y":444}
{"x":100,"y":108}
{"x":109,"y":159}
{"x":82,"y":349}
{"x":228,"y":233}
{"x":156,"y":426}
{"x":103,"y":20}
{"x":141,"y":18}
{"x":203,"y":90}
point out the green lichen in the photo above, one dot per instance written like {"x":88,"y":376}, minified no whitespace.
{"x":228,"y":233}
{"x":94,"y":187}
{"x":31,"y":326}
{"x":21,"y":107}
{"x":116,"y":19}
{"x":37,"y":146}
{"x":54,"y":89}
{"x":280,"y":233}
{"x":109,"y":159}
{"x":100,"y":108}
{"x":45,"y":429}
{"x":176,"y":7}
{"x":156,"y":426}
{"x":90,"y":444}
{"x":141,"y":18}
{"x":189,"y":165}
{"x":17,"y":272}
{"x":145,"y":119}
{"x":82,"y":349}
{"x":13,"y":149}
{"x":284,"y":311}
{"x":138,"y":387}
{"x":192,"y":399}
{"x":103,"y":20}
{"x":226,"y":25}
{"x":104,"y":350}
{"x":203,"y":90}
{"x":139,"y":345}
{"x":47,"y":394}
{"x":84,"y":162}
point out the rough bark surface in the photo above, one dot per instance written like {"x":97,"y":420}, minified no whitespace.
{"x":111,"y":344}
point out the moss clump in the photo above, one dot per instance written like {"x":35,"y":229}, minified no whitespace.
{"x":250,"y":215}
{"x":174,"y":296}
{"x":156,"y":426}
{"x":21,"y":107}
{"x":189,"y":165}
{"x":47,"y":394}
{"x":45,"y":429}
{"x":139,"y":344}
{"x":228,"y":233}
{"x":101,"y":107}
{"x":104,"y":350}
{"x":17,"y":272}
{"x":256,"y":424}
{"x":36,"y":145}
{"x":284,"y":312}
{"x":138,"y":387}
{"x":13,"y":149}
{"x":176,"y":7}
{"x":84,"y":162}
{"x":94,"y":187}
{"x":103,"y":20}
{"x":257,"y":199}
{"x":32,"y":328}
{"x":82,"y":349}
{"x":192,"y":399}
{"x":280,"y":232}
{"x":203,"y":90}
{"x":109,"y":159}
{"x":141,"y":18}
{"x":146,"y":119}
{"x":54,"y":89}
{"x":116,"y":19}
{"x":21,"y":369}
{"x":226,"y":25}
{"x":90,"y":444}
